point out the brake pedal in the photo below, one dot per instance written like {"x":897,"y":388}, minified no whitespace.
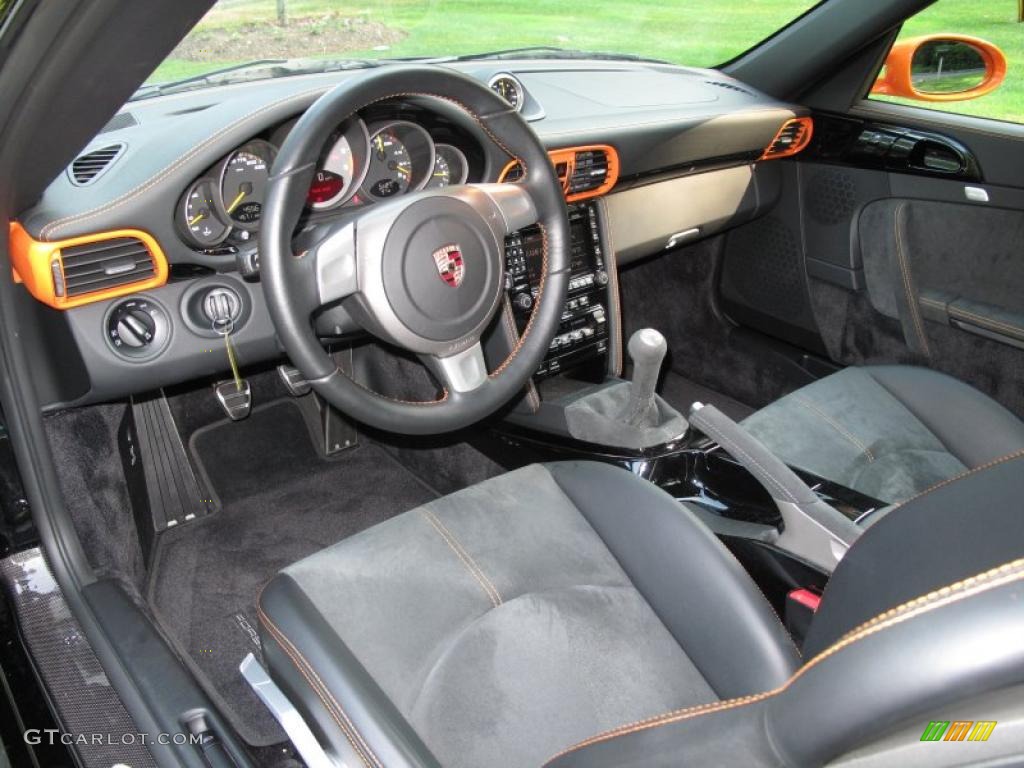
{"x":235,"y":398}
{"x":293,"y":381}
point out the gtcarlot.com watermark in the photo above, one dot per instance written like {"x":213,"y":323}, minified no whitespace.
{"x":52,"y":736}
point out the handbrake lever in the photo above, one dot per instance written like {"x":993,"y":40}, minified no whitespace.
{"x":811,"y":528}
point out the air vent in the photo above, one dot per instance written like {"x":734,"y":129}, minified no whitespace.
{"x":119,"y":121}
{"x":589,"y":171}
{"x":792,"y":137}
{"x":582,"y":171}
{"x":88,"y":167}
{"x":105,"y":264}
{"x":728,"y":86}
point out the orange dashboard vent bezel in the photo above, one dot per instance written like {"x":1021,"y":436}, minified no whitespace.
{"x":568,"y":156}
{"x":32,"y":261}
{"x":799,"y":145}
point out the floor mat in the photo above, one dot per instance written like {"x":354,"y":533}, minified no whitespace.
{"x":280,"y":502}
{"x":681,"y":393}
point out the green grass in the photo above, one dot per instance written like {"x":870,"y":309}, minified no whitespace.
{"x":701,"y":33}
{"x":698,"y":32}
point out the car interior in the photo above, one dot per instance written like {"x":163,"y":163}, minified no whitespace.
{"x":510,"y":410}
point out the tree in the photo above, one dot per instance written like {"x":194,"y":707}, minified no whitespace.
{"x":282,"y":12}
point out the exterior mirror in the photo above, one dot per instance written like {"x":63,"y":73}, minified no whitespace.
{"x":941,"y":68}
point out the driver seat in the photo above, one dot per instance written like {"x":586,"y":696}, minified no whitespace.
{"x":576,"y":614}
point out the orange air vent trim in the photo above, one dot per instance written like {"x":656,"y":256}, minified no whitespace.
{"x":35,"y":262}
{"x":802,"y":128}
{"x":568,"y":157}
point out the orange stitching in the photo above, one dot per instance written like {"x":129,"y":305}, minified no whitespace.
{"x":962,"y":475}
{"x":998,"y":325}
{"x":908,"y":285}
{"x":835,"y":425}
{"x":961,"y":590}
{"x":350,"y":732}
{"x":464,"y":556}
{"x":536,"y":308}
{"x":513,"y":335}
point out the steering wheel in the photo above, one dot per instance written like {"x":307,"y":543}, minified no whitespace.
{"x":425,"y":271}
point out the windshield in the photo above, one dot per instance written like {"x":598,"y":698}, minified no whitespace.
{"x":700,"y":33}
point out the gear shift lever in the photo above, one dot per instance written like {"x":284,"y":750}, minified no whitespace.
{"x":647,"y":350}
{"x":628,"y":414}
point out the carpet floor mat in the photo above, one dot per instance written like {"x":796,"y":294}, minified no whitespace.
{"x":280,"y":501}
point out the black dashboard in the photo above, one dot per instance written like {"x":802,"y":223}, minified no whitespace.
{"x":182,"y":176}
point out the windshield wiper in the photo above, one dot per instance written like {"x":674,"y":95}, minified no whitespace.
{"x":261,"y":69}
{"x":551,"y":52}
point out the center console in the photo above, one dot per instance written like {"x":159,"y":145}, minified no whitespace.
{"x":584,"y":330}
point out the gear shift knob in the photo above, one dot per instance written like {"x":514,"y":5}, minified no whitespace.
{"x":647,"y":348}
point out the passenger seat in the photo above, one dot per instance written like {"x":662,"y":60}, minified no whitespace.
{"x":890,"y":432}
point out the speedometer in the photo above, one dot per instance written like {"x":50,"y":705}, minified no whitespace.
{"x":401,"y":159}
{"x":243,"y":183}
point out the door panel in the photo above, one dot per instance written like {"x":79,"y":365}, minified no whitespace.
{"x":899,"y":265}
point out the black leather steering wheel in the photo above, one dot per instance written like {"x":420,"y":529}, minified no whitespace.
{"x":425,"y":271}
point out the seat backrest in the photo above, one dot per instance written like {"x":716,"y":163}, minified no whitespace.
{"x":923,"y":613}
{"x":957,"y":529}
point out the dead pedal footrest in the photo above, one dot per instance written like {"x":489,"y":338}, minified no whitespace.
{"x":164,"y":488}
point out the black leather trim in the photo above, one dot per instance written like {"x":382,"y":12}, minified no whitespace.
{"x":972,"y":426}
{"x":286,"y":610}
{"x":698,"y":589}
{"x":911,"y":668}
{"x":958,"y":530}
{"x":901,"y":668}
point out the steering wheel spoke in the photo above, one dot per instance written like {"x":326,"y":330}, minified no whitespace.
{"x":334,"y":259}
{"x":512,"y":203}
{"x":462,"y":372}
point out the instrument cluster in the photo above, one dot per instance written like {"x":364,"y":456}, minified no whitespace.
{"x":361,"y":164}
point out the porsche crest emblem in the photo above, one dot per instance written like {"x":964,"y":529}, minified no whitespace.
{"x":450,"y":267}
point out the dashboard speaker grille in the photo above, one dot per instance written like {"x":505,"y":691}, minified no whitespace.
{"x":119,"y":121}
{"x":105,"y":264}
{"x":86,"y":168}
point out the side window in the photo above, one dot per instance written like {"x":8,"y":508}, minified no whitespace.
{"x":959,"y":56}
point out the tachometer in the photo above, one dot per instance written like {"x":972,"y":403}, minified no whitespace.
{"x":243,"y":183}
{"x":450,"y":167}
{"x":199,"y":218}
{"x":401,"y":159}
{"x":342,"y":168}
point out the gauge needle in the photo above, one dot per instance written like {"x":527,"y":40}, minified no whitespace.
{"x":379,"y":141}
{"x":243,"y":190}
{"x":199,"y":217}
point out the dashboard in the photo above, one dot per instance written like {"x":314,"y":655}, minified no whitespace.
{"x":156,"y":222}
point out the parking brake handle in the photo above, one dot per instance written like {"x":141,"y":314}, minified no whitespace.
{"x":811,"y":528}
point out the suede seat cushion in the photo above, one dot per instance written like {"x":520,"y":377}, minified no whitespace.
{"x":502,"y":631}
{"x":888,"y":431}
